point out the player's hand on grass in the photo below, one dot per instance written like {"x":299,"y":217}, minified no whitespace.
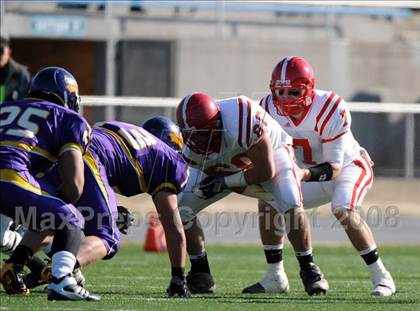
{"x":178,"y":288}
{"x":125,"y":219}
{"x":211,"y":186}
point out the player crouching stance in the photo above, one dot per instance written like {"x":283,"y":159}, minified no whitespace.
{"x":37,"y":132}
{"x":336,"y":169}
{"x":231,"y":144}
{"x":130,"y":160}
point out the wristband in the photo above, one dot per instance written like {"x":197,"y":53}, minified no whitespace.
{"x":236,"y":180}
{"x":321,"y":172}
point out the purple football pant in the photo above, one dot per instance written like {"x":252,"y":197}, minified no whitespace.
{"x":99,"y":206}
{"x":34,"y":203}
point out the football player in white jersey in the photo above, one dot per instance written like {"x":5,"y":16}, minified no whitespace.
{"x":336,"y":169}
{"x":230,"y":144}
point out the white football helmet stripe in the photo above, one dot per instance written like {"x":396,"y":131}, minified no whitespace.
{"x":184,"y":110}
{"x":283,"y":68}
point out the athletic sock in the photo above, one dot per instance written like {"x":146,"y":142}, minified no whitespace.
{"x":372,"y":260}
{"x":273,"y":253}
{"x":199,"y":263}
{"x":62,"y":264}
{"x":370,"y":255}
{"x":274,"y":259}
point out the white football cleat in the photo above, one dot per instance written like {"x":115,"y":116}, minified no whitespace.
{"x":384,"y":285}
{"x":272,"y":283}
{"x":66,"y":288}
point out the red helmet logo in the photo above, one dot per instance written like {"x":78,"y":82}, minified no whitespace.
{"x":291,"y":85}
{"x":198,"y":117}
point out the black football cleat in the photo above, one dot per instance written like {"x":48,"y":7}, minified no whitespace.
{"x":201,"y":283}
{"x":12,"y":280}
{"x":313,"y":280}
{"x":178,"y":288}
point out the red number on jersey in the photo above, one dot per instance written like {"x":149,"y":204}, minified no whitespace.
{"x":307,"y":150}
{"x":344,"y":116}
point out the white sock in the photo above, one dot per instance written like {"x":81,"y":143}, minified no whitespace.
{"x":377,"y":267}
{"x":62,"y":264}
{"x":275,"y":268}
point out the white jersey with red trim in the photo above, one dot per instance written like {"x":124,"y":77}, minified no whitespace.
{"x":243,"y":123}
{"x":322,"y":133}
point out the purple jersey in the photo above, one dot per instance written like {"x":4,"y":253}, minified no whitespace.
{"x":34,"y":133}
{"x":136,"y":161}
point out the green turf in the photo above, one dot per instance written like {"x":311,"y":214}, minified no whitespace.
{"x":135,"y":280}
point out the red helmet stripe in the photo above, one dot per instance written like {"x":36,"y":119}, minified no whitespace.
{"x":240,"y":121}
{"x":330,"y":98}
{"x":337,"y":102}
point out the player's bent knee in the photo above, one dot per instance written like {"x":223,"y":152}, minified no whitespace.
{"x":287,"y":206}
{"x":187,"y":215}
{"x":112,"y":249}
{"x":342,"y":214}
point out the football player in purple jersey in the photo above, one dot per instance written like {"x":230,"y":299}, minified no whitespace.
{"x":36,"y":133}
{"x":128,"y":159}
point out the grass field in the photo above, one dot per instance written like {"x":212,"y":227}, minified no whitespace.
{"x":135,"y":280}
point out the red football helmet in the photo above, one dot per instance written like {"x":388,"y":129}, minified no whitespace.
{"x":198,"y":117}
{"x":292,"y":83}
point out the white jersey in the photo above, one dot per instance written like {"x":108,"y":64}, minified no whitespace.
{"x":322,"y":133}
{"x":243,"y":124}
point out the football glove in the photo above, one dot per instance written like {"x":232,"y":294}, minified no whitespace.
{"x":210,"y":186}
{"x":178,"y":288}
{"x":125,"y":219}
